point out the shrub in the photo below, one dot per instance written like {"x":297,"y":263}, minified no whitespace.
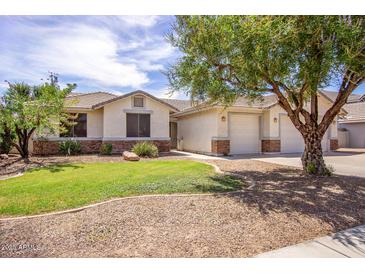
{"x":311,"y":168}
{"x":329,"y":170}
{"x":70,"y":147}
{"x":106,"y":149}
{"x":6,"y":139}
{"x":145,"y":149}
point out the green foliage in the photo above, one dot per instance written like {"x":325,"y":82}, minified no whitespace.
{"x":292,"y":57}
{"x":145,"y":149}
{"x":227,"y":56}
{"x":7,"y":137}
{"x":311,"y":168}
{"x":70,"y":147}
{"x":28,"y":108}
{"x":106,"y":149}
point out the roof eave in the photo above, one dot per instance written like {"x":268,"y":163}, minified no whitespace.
{"x":102,"y":104}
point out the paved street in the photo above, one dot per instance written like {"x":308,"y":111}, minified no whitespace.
{"x":344,"y":163}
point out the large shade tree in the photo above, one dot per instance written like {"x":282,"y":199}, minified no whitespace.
{"x":26,"y":108}
{"x":292,"y":57}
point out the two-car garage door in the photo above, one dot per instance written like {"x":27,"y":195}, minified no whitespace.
{"x":291,"y":140}
{"x":244,"y":133}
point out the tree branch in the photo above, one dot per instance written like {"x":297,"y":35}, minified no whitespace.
{"x":350,"y":82}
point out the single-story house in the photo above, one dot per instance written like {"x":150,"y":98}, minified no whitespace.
{"x":243,"y":128}
{"x":351,"y":127}
{"x":118,"y":120}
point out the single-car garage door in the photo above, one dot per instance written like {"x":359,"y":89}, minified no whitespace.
{"x":291,"y":140}
{"x":244,"y":133}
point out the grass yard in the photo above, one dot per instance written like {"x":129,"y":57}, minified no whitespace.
{"x":65,"y":186}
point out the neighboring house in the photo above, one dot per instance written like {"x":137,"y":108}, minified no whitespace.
{"x":352,"y":126}
{"x":243,"y":128}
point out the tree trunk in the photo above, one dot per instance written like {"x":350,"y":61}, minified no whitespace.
{"x":23,"y":142}
{"x":312,"y":158}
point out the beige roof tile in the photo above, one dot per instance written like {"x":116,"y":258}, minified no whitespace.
{"x":179,"y":104}
{"x":87,"y":100}
{"x":355,"y":111}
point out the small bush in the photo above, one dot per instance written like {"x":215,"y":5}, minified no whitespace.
{"x":70,"y":147}
{"x":106,"y":149}
{"x":145,"y":149}
{"x":311,"y":168}
{"x":6,"y":139}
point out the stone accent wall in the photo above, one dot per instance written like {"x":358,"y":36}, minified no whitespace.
{"x":221,"y":147}
{"x":270,"y":146}
{"x":45,"y":147}
{"x":333,"y":144}
{"x":120,"y":146}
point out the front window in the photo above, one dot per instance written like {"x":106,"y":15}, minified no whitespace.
{"x":138,"y":125}
{"x":79,"y":129}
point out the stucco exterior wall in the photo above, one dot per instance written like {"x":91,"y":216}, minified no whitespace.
{"x":95,"y":123}
{"x":196,"y":130}
{"x":115,"y":118}
{"x":271,"y":129}
{"x":356,"y":133}
{"x":223,"y":121}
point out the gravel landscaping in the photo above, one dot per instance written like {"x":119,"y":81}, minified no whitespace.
{"x":280,"y":207}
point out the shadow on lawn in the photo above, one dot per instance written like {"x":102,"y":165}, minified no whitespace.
{"x":55,"y":168}
{"x":337,"y":200}
{"x":222,"y":183}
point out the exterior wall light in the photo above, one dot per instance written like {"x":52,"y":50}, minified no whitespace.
{"x":275,"y":119}
{"x":223,"y":118}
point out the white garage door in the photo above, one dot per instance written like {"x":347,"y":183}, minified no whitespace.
{"x":291,"y":139}
{"x":244,"y":133}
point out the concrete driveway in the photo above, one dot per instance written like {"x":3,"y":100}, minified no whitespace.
{"x":344,"y":163}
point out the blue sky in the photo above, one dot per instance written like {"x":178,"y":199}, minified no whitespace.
{"x":109,"y":53}
{"x":99,"y":53}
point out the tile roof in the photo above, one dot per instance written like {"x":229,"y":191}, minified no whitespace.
{"x":98,"y":99}
{"x":266,"y":101}
{"x":179,"y":104}
{"x":355,"y":111}
{"x":115,"y":98}
{"x":87,"y":100}
{"x":355,"y":106}
{"x":352,"y":98}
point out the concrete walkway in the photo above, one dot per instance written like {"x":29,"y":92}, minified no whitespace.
{"x":197,"y":156}
{"x":344,"y":163}
{"x":345,"y":244}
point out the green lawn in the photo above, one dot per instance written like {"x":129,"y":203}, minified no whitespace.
{"x":66,"y":186}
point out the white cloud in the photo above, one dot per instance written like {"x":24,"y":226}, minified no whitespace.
{"x":100,"y":51}
{"x":144,"y":21}
{"x":166,"y":93}
{"x":80,"y":51}
{"x":4,"y":85}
